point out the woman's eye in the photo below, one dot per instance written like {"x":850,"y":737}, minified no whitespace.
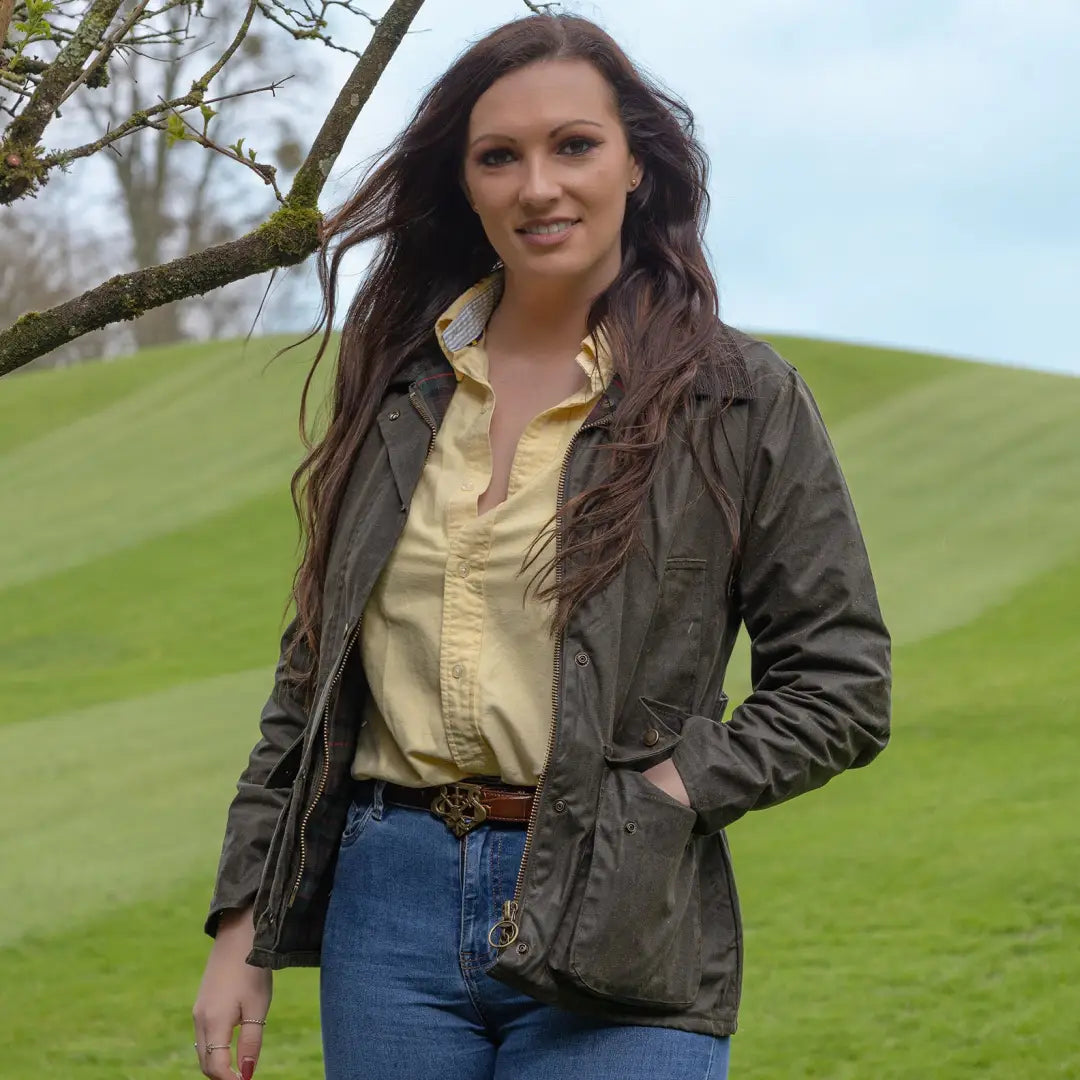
{"x":574,"y":147}
{"x":583,"y":145}
{"x":485,"y":157}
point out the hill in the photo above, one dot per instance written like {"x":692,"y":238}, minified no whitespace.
{"x":909,"y":921}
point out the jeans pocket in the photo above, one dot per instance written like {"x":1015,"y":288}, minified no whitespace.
{"x":359,"y":814}
{"x":637,"y":935}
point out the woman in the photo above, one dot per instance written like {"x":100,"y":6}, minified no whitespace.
{"x":492,"y":785}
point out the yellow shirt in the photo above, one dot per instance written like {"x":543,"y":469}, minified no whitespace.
{"x":456,"y":649}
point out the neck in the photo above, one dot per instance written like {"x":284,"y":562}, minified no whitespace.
{"x":545,"y":316}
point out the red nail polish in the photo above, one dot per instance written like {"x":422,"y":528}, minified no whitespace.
{"x":247,"y":1068}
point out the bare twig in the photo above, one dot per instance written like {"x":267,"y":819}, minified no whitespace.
{"x":263,"y":170}
{"x":223,"y":59}
{"x":147,"y":118}
{"x":105,"y":50}
{"x":308,"y":25}
{"x":121,"y":38}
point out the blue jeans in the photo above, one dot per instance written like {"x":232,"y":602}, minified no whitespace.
{"x":405,"y":995}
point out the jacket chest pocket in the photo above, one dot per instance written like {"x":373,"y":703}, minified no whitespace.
{"x":637,"y":936}
{"x":666,"y":668}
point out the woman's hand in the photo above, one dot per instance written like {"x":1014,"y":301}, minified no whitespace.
{"x":232,"y":990}
{"x":666,"y":777}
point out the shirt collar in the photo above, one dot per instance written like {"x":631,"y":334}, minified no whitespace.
{"x":462,"y":326}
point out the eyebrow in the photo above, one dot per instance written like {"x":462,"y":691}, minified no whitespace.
{"x":551,"y":134}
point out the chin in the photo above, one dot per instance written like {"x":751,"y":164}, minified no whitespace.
{"x":553,"y":265}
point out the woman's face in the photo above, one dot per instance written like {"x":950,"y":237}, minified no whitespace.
{"x":544,"y":146}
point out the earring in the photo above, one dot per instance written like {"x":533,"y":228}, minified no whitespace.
{"x":633,"y":183}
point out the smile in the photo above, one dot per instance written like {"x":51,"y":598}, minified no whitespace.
{"x":545,"y":230}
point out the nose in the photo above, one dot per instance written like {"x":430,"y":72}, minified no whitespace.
{"x":539,"y":184}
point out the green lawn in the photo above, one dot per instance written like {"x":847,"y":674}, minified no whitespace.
{"x":919,"y":919}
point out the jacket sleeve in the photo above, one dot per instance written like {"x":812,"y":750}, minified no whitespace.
{"x":820,"y":652}
{"x":255,"y":809}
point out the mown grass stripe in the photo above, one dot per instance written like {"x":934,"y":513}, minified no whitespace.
{"x":177,"y":451}
{"x":118,"y":802}
{"x":966,"y":487}
{"x":200,"y":601}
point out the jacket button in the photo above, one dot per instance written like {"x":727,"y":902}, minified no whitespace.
{"x":394,"y":415}
{"x":523,"y":948}
{"x":560,"y":806}
{"x":582,"y":659}
{"x":631,"y":826}
{"x":651,"y":737}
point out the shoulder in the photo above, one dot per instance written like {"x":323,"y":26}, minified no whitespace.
{"x":768,"y":373}
{"x":743,"y":370}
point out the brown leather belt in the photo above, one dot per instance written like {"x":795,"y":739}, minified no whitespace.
{"x":465,"y":804}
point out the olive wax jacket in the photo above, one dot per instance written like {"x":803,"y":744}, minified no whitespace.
{"x":626,"y":906}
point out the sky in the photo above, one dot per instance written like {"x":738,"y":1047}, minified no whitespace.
{"x":904,"y":172}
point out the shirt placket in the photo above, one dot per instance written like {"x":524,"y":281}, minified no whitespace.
{"x":468,"y":545}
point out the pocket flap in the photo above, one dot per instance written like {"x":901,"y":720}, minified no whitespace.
{"x":288,"y":765}
{"x":646,"y":734}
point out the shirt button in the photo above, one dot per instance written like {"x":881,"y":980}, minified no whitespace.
{"x":651,"y":737}
{"x":457,"y":671}
{"x":467,"y":486}
{"x":463,"y":569}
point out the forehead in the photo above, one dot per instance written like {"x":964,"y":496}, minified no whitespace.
{"x":537,"y":97}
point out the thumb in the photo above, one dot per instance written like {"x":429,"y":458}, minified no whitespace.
{"x":248,"y":1045}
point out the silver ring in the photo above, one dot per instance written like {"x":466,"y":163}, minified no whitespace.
{"x":217,"y":1046}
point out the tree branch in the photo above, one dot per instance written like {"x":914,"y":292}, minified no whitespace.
{"x":32,"y":121}
{"x":311,"y":177}
{"x":7,"y":9}
{"x":289,"y":236}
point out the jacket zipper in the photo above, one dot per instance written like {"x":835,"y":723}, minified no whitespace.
{"x":421,"y":408}
{"x":509,"y":924}
{"x":324,"y":722}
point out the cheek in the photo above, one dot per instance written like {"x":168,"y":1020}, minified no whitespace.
{"x":604,"y":194}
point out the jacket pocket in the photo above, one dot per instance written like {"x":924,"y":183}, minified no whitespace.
{"x":637,"y":937}
{"x":287,"y":766}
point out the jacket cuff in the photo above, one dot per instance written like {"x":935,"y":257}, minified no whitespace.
{"x":218,"y":908}
{"x":701,"y":743}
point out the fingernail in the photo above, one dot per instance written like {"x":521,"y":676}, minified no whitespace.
{"x":247,"y":1068}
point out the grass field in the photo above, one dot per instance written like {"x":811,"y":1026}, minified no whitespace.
{"x":919,"y":919}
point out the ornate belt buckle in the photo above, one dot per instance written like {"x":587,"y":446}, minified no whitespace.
{"x":460,"y":807}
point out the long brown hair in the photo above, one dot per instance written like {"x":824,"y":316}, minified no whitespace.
{"x":659,"y":313}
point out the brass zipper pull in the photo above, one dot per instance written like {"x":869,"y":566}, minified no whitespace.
{"x":506,"y":927}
